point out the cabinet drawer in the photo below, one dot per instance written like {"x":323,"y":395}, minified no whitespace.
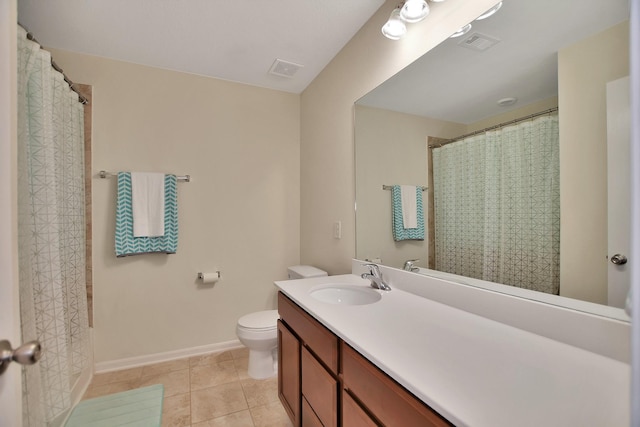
{"x":383,"y":397}
{"x":309,"y":418}
{"x":353,"y":415}
{"x":320,"y":389}
{"x":318,"y":338}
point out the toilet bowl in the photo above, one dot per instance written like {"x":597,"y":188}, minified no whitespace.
{"x":259,"y":331}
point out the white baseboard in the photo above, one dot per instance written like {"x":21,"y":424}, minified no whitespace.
{"x":132,"y":362}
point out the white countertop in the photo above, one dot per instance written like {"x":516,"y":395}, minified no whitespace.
{"x":472,"y":370}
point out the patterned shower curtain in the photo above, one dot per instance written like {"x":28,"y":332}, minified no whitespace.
{"x":51,"y":233}
{"x":497,"y":205}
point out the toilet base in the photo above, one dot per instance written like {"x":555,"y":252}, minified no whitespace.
{"x":262,"y":364}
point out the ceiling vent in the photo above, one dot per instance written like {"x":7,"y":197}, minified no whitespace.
{"x":478,"y":42}
{"x":284,"y":69}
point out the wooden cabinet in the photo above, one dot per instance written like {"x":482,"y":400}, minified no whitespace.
{"x":318,"y":339}
{"x":353,"y":415}
{"x":324,"y":382}
{"x":314,"y":357}
{"x":289,"y":372}
{"x":320,"y":389}
{"x":381,"y":396}
{"x":309,"y":417}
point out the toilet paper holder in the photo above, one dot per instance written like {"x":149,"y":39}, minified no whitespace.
{"x":201,"y":275}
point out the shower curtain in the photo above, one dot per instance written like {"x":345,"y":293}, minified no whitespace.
{"x":497,"y":205}
{"x":51,"y":234}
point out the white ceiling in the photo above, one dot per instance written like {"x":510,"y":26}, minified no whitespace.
{"x":235,"y":40}
{"x":460,"y":85}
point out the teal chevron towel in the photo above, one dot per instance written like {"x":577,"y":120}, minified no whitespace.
{"x":126,"y":243}
{"x":399,"y":232}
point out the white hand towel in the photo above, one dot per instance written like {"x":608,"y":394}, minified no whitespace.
{"x":409,"y":206}
{"x":147,"y":203}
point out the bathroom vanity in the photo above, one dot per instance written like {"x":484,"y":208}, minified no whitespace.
{"x":405,"y":360}
{"x":319,"y":372}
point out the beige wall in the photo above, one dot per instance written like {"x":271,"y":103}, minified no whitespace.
{"x":583,"y":71}
{"x":391,"y":148}
{"x":240,"y":214}
{"x":327,"y":153}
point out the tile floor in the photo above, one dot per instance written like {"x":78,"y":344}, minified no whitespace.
{"x":212,"y":390}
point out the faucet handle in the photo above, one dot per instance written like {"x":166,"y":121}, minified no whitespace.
{"x":373,"y":269}
{"x":408,"y":265}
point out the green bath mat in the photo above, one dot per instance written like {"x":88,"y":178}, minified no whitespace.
{"x":141,"y":407}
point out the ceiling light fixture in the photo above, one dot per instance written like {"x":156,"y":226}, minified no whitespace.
{"x":507,"y":102}
{"x":461,"y":32}
{"x":394,"y":28}
{"x":414,"y":11}
{"x":489,"y":12}
{"x":410,"y":11}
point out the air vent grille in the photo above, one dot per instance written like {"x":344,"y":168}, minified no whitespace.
{"x":478,"y":42}
{"x":284,"y":68}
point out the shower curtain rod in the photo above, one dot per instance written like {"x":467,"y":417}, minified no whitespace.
{"x":521,"y":119}
{"x":55,"y":66}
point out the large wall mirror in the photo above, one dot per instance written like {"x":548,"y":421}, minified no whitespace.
{"x":560,"y":65}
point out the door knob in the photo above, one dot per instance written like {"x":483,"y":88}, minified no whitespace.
{"x":619,"y":259}
{"x":27,"y":354}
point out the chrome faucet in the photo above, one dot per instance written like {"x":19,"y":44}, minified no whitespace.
{"x":408,"y":265}
{"x":375,"y":277}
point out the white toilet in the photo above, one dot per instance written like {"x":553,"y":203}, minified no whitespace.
{"x":258,"y":331}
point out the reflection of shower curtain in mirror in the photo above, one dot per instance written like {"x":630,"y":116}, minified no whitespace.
{"x":51,"y":234}
{"x":497,"y":205}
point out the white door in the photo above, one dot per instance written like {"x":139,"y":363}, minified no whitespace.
{"x":618,"y":187}
{"x":10,"y":381}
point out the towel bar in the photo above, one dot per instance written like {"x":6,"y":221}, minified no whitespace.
{"x":389,"y":187}
{"x":105,"y":174}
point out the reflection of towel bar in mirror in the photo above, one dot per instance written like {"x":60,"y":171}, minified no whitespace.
{"x":105,"y":174}
{"x":389,"y":187}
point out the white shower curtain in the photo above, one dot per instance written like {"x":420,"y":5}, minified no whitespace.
{"x":497,"y":205}
{"x":51,"y":234}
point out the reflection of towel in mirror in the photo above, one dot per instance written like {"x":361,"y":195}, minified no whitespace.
{"x":402,"y":230}
{"x":408,"y":198}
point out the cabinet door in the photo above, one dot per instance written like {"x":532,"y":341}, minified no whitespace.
{"x":289,"y":372}
{"x":320,"y":389}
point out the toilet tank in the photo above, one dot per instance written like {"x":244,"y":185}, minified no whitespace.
{"x":305,"y":271}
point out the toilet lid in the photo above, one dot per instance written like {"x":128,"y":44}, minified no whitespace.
{"x":267,"y":319}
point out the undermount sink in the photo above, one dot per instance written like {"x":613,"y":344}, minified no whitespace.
{"x":344,"y":294}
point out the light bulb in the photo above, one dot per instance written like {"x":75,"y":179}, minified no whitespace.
{"x":489,"y":12}
{"x":462,"y":31}
{"x":394,"y":28}
{"x":414,"y":10}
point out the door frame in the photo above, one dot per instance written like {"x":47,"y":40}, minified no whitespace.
{"x":10,"y":381}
